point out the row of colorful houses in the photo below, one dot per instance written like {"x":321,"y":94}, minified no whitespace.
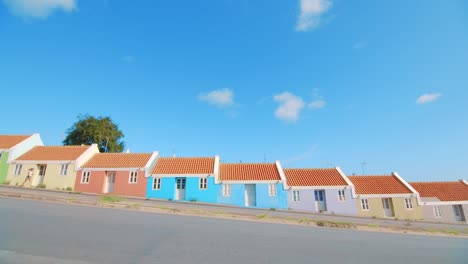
{"x":206,"y":179}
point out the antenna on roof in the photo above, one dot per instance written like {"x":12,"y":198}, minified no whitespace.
{"x":362,"y":166}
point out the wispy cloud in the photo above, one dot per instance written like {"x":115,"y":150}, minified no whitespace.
{"x":222,"y":97}
{"x":39,"y":8}
{"x":317,"y":104}
{"x":311,"y":12}
{"x":307,"y":154}
{"x":428,"y":98}
{"x":127,"y":59}
{"x":290,"y":106}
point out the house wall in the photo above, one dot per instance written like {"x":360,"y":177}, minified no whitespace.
{"x":3,"y":166}
{"x":121,"y":184}
{"x":448,"y":214}
{"x":376,"y":209}
{"x":193,"y":192}
{"x":52,"y":178}
{"x":280,"y":201}
{"x":237,"y":197}
{"x":167,"y":190}
{"x":334,"y":205}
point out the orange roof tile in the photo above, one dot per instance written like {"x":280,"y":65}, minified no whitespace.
{"x":184,"y":165}
{"x":380,"y":184}
{"x":249,"y":172}
{"x":314,"y":177}
{"x":9,"y":141}
{"x":54,"y":153}
{"x":444,"y":191}
{"x":118,"y":160}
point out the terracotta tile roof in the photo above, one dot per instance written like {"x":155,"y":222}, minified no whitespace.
{"x":249,"y":172}
{"x":314,"y":177}
{"x":9,"y":141}
{"x":184,"y":165}
{"x":378,"y":184}
{"x":118,"y":160}
{"x":54,"y":153}
{"x":444,"y":191}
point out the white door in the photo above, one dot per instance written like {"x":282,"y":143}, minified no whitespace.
{"x":109,"y":183}
{"x":320,"y":200}
{"x":388,"y":208}
{"x":180,"y":188}
{"x":41,"y":174}
{"x":458,"y":210}
{"x":250,"y":195}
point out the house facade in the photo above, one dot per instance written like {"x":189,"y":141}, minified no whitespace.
{"x":184,"y":179}
{"x":320,"y":190}
{"x":443,"y":201}
{"x":386,"y":196}
{"x":13,"y":146}
{"x":259,"y":185}
{"x":124,"y":174}
{"x":54,"y":167}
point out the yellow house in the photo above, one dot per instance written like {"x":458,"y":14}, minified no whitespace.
{"x":386,"y":196}
{"x":54,"y":167}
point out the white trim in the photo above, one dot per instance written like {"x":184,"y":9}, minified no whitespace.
{"x":348,"y":181}
{"x":282,"y":175}
{"x":445,"y":203}
{"x":296,"y":198}
{"x":181,"y":175}
{"x":159,"y":183}
{"x":437,"y":212}
{"x":345,"y":187}
{"x":130,"y":177}
{"x":226,"y":189}
{"x":88,"y":177}
{"x":465,"y":182}
{"x":112,"y":169}
{"x":149,"y":165}
{"x":366,"y":203}
{"x":388,"y":195}
{"x":202,"y":182}
{"x":340,"y":196}
{"x":408,"y":201}
{"x":418,"y":198}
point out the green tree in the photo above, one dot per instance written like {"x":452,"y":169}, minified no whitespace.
{"x":102,"y":130}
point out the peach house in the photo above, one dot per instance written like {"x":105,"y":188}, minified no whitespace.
{"x":116,"y":173}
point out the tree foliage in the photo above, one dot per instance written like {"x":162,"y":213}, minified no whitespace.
{"x":101,"y":130}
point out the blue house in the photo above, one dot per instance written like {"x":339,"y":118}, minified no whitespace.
{"x":252,"y":185}
{"x":184,"y":179}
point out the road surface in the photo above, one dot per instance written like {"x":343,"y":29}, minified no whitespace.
{"x":38,"y":232}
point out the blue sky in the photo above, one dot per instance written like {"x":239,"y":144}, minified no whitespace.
{"x":313,"y":83}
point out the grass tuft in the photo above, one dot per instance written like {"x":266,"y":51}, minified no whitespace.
{"x":110,"y":199}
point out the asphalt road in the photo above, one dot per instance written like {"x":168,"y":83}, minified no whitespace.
{"x":38,"y":232}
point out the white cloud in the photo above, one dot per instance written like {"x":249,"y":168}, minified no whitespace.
{"x":317,"y":104}
{"x":290,"y":106}
{"x":428,"y":98}
{"x":127,"y":59}
{"x":223,"y":97}
{"x":39,"y":8}
{"x":311,"y":10}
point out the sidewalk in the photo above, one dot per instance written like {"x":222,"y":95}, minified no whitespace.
{"x":225,"y":211}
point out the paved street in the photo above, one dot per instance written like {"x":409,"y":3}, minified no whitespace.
{"x":37,"y":232}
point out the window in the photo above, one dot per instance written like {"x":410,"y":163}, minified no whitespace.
{"x":296,"y":196}
{"x":408,"y":203}
{"x":437,"y":211}
{"x":18,"y":169}
{"x":156,"y":183}
{"x":272,"y":191}
{"x":341,"y":195}
{"x":133,"y":177}
{"x":85,"y":176}
{"x":64,"y":169}
{"x":203,"y":183}
{"x":365,"y":205}
{"x":226,"y":190}
{"x":42,"y":169}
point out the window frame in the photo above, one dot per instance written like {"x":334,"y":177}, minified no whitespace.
{"x":409,"y":204}
{"x":437,"y":211}
{"x":156,"y":184}
{"x":64,"y":169}
{"x":341,"y":195}
{"x":365,"y":204}
{"x":203,"y":183}
{"x":226,"y":190}
{"x":85,"y":177}
{"x":272,"y":189}
{"x":133,"y":177}
{"x":296,"y":196}
{"x":18,"y":169}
